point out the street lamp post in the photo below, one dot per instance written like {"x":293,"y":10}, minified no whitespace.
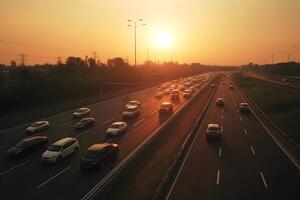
{"x":134,"y":25}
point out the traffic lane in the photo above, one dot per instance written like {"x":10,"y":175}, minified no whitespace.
{"x":105,"y":111}
{"x":218,"y":174}
{"x":92,"y":137}
{"x":199,"y":174}
{"x":238,"y":171}
{"x":281,"y":177}
{"x":66,"y":117}
{"x":127,"y":143}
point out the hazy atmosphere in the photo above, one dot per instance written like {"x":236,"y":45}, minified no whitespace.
{"x":224,"y":32}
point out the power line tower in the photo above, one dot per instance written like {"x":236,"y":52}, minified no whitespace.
{"x":59,"y":60}
{"x":23,"y":58}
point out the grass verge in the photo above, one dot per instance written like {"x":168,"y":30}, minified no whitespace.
{"x":281,"y":104}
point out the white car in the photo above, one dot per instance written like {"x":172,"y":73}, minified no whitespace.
{"x":213,"y":131}
{"x":220,"y":102}
{"x":158,"y":95}
{"x":60,"y":150}
{"x":37,"y":126}
{"x":133,"y":103}
{"x":81,"y":112}
{"x":131,"y":112}
{"x":117,"y":128}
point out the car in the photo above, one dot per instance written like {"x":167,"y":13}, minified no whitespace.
{"x":37,"y":127}
{"x":99,"y":154}
{"x":167,"y":92}
{"x":192,"y":89}
{"x":133,"y":103}
{"x":212,"y":85}
{"x":166,"y":108}
{"x":158,"y":95}
{"x":198,"y":85}
{"x":220,"y":102}
{"x":213,"y":131}
{"x":231,"y":87}
{"x":244,"y":107}
{"x":81,"y":112}
{"x":186,"y":94}
{"x":131,"y":112}
{"x":28,"y":145}
{"x":174,"y":94}
{"x":117,"y":128}
{"x":85,"y":123}
{"x":60,"y":149}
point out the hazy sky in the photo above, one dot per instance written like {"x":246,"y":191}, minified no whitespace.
{"x":228,"y":32}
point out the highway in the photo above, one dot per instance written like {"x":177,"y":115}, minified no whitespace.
{"x":245,"y":164}
{"x":28,"y":178}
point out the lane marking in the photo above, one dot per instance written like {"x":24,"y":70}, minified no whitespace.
{"x":152,"y":113}
{"x":109,"y":120}
{"x":53,"y":177}
{"x":220,"y":152}
{"x":10,"y":169}
{"x":137,"y":123}
{"x":218,"y":177}
{"x":252,"y":150}
{"x":240,"y":118}
{"x":222,"y":117}
{"x":263,"y":179}
{"x":221,"y":128}
{"x":145,"y":104}
{"x":223,"y":110}
{"x":83,"y":133}
{"x":245,"y":131}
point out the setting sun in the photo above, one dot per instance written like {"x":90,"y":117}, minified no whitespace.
{"x":162,"y":39}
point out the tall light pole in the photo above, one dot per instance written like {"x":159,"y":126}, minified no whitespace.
{"x":134,"y":25}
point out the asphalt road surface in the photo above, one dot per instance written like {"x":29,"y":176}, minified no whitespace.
{"x":245,"y":164}
{"x":28,"y":178}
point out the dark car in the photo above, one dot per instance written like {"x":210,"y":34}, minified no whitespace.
{"x":85,"y":123}
{"x":28,"y":145}
{"x":99,"y":154}
{"x":166,"y":108}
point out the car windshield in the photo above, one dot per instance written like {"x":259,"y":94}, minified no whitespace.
{"x":54,"y":147}
{"x":81,"y":110}
{"x":132,"y":103}
{"x":36,"y":124}
{"x":115,"y":126}
{"x":214,"y":128}
{"x":93,"y":153}
{"x":22,"y":144}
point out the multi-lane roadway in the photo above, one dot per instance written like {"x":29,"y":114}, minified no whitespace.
{"x":28,"y":178}
{"x":245,"y":164}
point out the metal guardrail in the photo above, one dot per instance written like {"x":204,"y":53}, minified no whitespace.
{"x":117,"y":171}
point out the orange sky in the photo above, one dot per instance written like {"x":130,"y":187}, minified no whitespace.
{"x":225,"y":32}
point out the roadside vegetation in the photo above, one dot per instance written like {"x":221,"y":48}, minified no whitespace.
{"x":22,"y":86}
{"x":281,"y":104}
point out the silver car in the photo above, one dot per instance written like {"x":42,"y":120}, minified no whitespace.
{"x":38,"y":126}
{"x":117,"y":128}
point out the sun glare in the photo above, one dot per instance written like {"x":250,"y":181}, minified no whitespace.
{"x":162,"y":39}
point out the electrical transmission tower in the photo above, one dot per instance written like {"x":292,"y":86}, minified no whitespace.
{"x":23,"y":58}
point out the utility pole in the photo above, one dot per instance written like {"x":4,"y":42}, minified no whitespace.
{"x":23,"y":57}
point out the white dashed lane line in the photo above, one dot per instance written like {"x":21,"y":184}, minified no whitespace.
{"x":263,"y":179}
{"x":137,"y":123}
{"x":245,"y":131}
{"x":15,"y":167}
{"x":252,"y":150}
{"x":109,"y":120}
{"x":218,"y":177}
